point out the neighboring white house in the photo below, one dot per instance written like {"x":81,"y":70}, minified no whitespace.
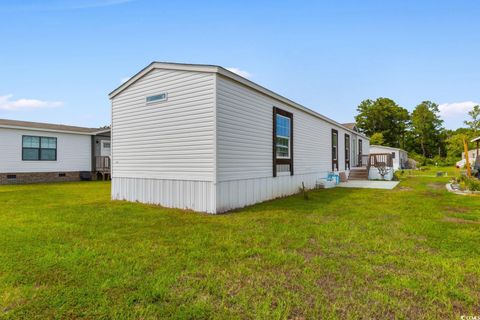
{"x":393,"y":158}
{"x":399,"y":156}
{"x":472,"y":154}
{"x":203,"y":138}
{"x":41,"y":152}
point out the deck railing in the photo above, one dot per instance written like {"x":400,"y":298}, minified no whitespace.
{"x":378,"y":160}
{"x":102,"y":164}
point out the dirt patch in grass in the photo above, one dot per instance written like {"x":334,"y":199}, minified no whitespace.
{"x":460,"y":221}
{"x":436,"y":186}
{"x":432,"y":194}
{"x":403,"y":188}
{"x":310,"y":250}
{"x":457,"y":209}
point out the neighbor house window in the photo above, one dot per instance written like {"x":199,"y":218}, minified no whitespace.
{"x":39,"y":148}
{"x":334,"y":150}
{"x":282,"y":141}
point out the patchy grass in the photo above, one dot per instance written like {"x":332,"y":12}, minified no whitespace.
{"x":66,"y":251}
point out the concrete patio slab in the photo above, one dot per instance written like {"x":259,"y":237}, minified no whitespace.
{"x":369,"y":184}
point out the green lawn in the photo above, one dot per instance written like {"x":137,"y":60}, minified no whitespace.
{"x":66,"y":251}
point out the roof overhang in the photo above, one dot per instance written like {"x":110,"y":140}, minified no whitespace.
{"x":228,"y":74}
{"x":54,"y":130}
{"x":45,"y":129}
{"x":101,"y":131}
{"x":475,"y":139}
{"x":385,"y":147}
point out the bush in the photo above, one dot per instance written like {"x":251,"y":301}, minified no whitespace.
{"x":398,"y":174}
{"x":444,"y":162}
{"x":435,"y":161}
{"x":468,"y":183}
{"x":421,"y":160}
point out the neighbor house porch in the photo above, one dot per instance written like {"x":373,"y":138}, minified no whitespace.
{"x":374,"y":166}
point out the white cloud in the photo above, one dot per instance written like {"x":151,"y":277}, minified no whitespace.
{"x":240,"y":72}
{"x":124,"y":79}
{"x":6,"y":103}
{"x":456,"y":108}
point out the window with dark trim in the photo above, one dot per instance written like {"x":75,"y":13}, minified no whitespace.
{"x":334,"y":150}
{"x":282,"y":141}
{"x":39,"y":148}
{"x":360,"y":153}
{"x":347,"y":152}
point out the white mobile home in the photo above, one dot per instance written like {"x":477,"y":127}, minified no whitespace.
{"x":203,"y":138}
{"x":44,"y":152}
{"x":399,"y":156}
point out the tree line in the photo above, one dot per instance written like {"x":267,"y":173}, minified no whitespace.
{"x":420,"y":132}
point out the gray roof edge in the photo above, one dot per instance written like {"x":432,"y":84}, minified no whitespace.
{"x":19,"y":124}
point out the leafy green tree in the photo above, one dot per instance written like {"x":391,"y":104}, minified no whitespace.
{"x":454,"y":145}
{"x":474,"y":123}
{"x":427,"y":128}
{"x":383,"y":116}
{"x":377,"y":138}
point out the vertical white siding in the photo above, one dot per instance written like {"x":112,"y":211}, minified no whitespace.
{"x":183,"y":194}
{"x":244,"y":147}
{"x":242,"y":192}
{"x":74,"y":152}
{"x":164,"y":153}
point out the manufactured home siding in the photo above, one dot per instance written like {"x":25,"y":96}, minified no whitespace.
{"x":173,"y":139}
{"x":164,"y":152}
{"x":208,"y":147}
{"x":194,"y":195}
{"x":244,"y":135}
{"x":73,"y":152}
{"x":244,"y":147}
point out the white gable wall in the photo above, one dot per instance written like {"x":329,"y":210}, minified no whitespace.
{"x":73,"y":152}
{"x":163,"y":153}
{"x":244,"y":147}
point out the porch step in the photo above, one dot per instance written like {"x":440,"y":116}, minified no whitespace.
{"x":358,"y":174}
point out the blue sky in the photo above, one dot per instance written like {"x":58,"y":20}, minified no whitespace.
{"x":60,"y":59}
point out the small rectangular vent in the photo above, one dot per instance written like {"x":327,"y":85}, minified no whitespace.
{"x":157,"y":98}
{"x":62,"y":175}
{"x":11,"y":176}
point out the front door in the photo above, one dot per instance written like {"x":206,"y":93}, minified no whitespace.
{"x":360,"y":152}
